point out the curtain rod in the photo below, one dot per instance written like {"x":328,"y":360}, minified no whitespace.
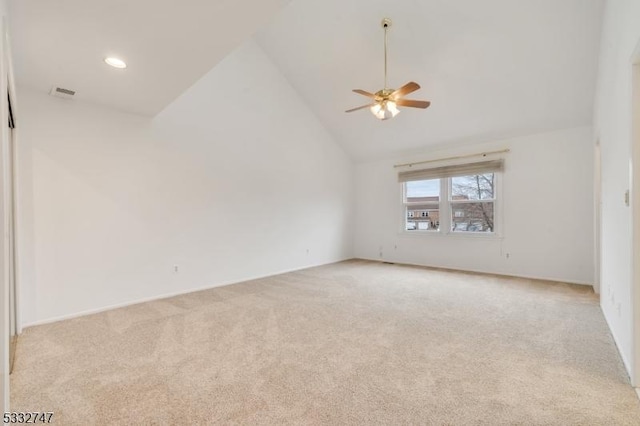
{"x":482,"y":154}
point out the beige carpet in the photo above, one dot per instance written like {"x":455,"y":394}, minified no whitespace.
{"x":351,"y":343}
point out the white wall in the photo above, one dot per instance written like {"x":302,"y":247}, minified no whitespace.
{"x":546,"y":209}
{"x":236,"y":179}
{"x":620,"y":35}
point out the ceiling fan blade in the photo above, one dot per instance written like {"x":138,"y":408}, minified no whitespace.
{"x":411,"y":86}
{"x":361,"y":107}
{"x":412,"y":104}
{"x":365,"y":93}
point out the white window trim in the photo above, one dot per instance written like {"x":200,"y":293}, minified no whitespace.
{"x":445,"y":213}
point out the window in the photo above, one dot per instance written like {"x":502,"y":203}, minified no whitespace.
{"x":472,"y":200}
{"x":468,"y":201}
{"x":422,"y":205}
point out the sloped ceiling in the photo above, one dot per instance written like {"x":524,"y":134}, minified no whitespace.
{"x":491,"y":68}
{"x":167,"y":44}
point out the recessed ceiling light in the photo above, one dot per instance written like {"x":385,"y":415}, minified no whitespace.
{"x":115,"y":62}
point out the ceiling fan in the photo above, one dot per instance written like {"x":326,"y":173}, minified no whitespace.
{"x":386,"y":101}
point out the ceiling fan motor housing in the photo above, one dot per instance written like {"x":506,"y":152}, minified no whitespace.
{"x":384,"y":93}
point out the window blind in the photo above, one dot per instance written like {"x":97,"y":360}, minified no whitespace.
{"x":467,"y":169}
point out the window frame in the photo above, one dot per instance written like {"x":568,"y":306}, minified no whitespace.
{"x":405,"y":216}
{"x":446,"y":211}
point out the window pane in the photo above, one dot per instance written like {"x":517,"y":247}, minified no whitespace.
{"x":423,"y":191}
{"x":472,"y":217}
{"x":477,"y":187}
{"x":422,"y":217}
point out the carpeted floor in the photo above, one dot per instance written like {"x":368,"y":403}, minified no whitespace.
{"x":351,"y":343}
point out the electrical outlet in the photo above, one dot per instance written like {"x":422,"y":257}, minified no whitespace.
{"x":307,"y":252}
{"x":175,"y":269}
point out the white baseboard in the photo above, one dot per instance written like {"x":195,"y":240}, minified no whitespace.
{"x":479,"y":271}
{"x":626,"y":363}
{"x":230,"y":282}
{"x":172,"y":294}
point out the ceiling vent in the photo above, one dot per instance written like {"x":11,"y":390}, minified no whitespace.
{"x":61,"y":92}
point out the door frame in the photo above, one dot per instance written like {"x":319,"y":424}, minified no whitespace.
{"x":635,"y":216}
{"x":7,"y":86}
{"x":11,"y":211}
{"x":597,"y":214}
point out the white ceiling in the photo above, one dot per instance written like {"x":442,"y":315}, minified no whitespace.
{"x":167,"y":44}
{"x":492,"y":68}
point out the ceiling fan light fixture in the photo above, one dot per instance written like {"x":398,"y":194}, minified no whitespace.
{"x":385,"y":102}
{"x":385,"y":110}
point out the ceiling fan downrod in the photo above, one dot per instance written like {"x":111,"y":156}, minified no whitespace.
{"x":386,"y":24}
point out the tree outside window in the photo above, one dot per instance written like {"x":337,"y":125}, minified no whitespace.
{"x":472,"y":201}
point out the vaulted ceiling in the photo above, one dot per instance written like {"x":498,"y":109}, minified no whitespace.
{"x":167,"y":44}
{"x":492,"y":68}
